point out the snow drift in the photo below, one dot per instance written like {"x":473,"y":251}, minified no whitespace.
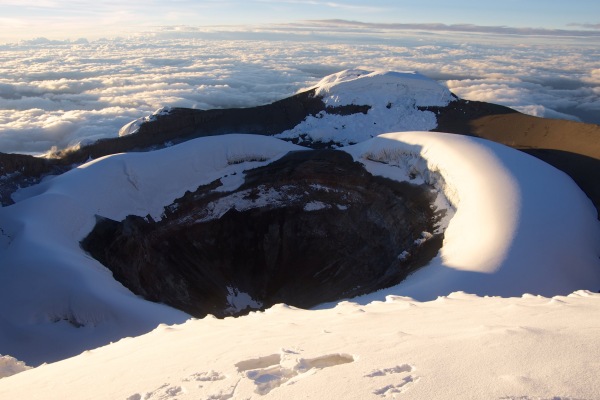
{"x":457,"y":347}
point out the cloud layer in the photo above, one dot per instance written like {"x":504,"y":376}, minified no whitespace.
{"x":59,"y":94}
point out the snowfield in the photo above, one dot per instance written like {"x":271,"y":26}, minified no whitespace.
{"x":518,"y":221}
{"x":456,"y":347}
{"x":516,"y":227}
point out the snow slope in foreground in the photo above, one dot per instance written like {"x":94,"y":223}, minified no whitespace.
{"x":457,"y":347}
{"x":520,"y":226}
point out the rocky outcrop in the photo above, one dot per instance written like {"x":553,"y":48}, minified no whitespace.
{"x":21,"y":170}
{"x":181,"y":124}
{"x":570,"y":146}
{"x":309,"y":228}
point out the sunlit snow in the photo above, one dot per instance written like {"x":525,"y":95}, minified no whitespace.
{"x":394,"y":98}
{"x":518,"y":228}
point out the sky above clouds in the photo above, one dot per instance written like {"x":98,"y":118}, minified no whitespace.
{"x":85,"y":18}
{"x":60,"y":93}
{"x":74,"y":71}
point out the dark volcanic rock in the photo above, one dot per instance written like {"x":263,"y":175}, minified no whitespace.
{"x":570,"y":146}
{"x":20,"y":170}
{"x":176,"y":126}
{"x":309,"y":228}
{"x":181,"y":124}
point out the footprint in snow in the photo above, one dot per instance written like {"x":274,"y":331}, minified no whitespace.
{"x":393,"y":389}
{"x":210,"y":376}
{"x":168,"y":391}
{"x":163,"y":392}
{"x":273,"y":371}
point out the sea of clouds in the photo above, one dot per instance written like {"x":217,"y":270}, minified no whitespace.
{"x":55,"y":94}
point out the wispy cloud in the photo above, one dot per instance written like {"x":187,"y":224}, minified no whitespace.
{"x":466,"y":28}
{"x":586,"y":26}
{"x":329,"y":4}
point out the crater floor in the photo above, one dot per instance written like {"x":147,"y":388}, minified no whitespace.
{"x":311,"y":227}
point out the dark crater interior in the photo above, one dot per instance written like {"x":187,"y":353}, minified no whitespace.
{"x":312,"y":227}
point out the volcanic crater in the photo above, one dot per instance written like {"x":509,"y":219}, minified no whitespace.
{"x":311,"y":227}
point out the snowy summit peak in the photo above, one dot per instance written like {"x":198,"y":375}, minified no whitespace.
{"x":357,"y":86}
{"x":134,"y":126}
{"x":395,"y":102}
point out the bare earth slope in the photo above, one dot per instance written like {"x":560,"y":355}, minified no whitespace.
{"x":572,"y":147}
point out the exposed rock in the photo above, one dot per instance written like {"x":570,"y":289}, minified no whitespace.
{"x":181,"y":124}
{"x":570,"y":146}
{"x":20,"y":170}
{"x":311,"y":227}
{"x":573,"y":147}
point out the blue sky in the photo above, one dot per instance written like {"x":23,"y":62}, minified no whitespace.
{"x":25,"y":19}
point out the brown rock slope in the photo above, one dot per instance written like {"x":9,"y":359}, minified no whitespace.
{"x":572,"y":147}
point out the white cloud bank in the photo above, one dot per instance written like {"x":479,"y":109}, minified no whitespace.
{"x":55,"y":93}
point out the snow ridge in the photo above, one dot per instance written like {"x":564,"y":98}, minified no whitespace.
{"x":514,"y":222}
{"x":134,"y":126}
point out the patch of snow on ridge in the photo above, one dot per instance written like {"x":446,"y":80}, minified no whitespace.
{"x":316,"y":206}
{"x":239,"y":301}
{"x":394,"y":99}
{"x":259,"y":197}
{"x":248,"y":199}
{"x":134,"y":126}
{"x":377,"y":88}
